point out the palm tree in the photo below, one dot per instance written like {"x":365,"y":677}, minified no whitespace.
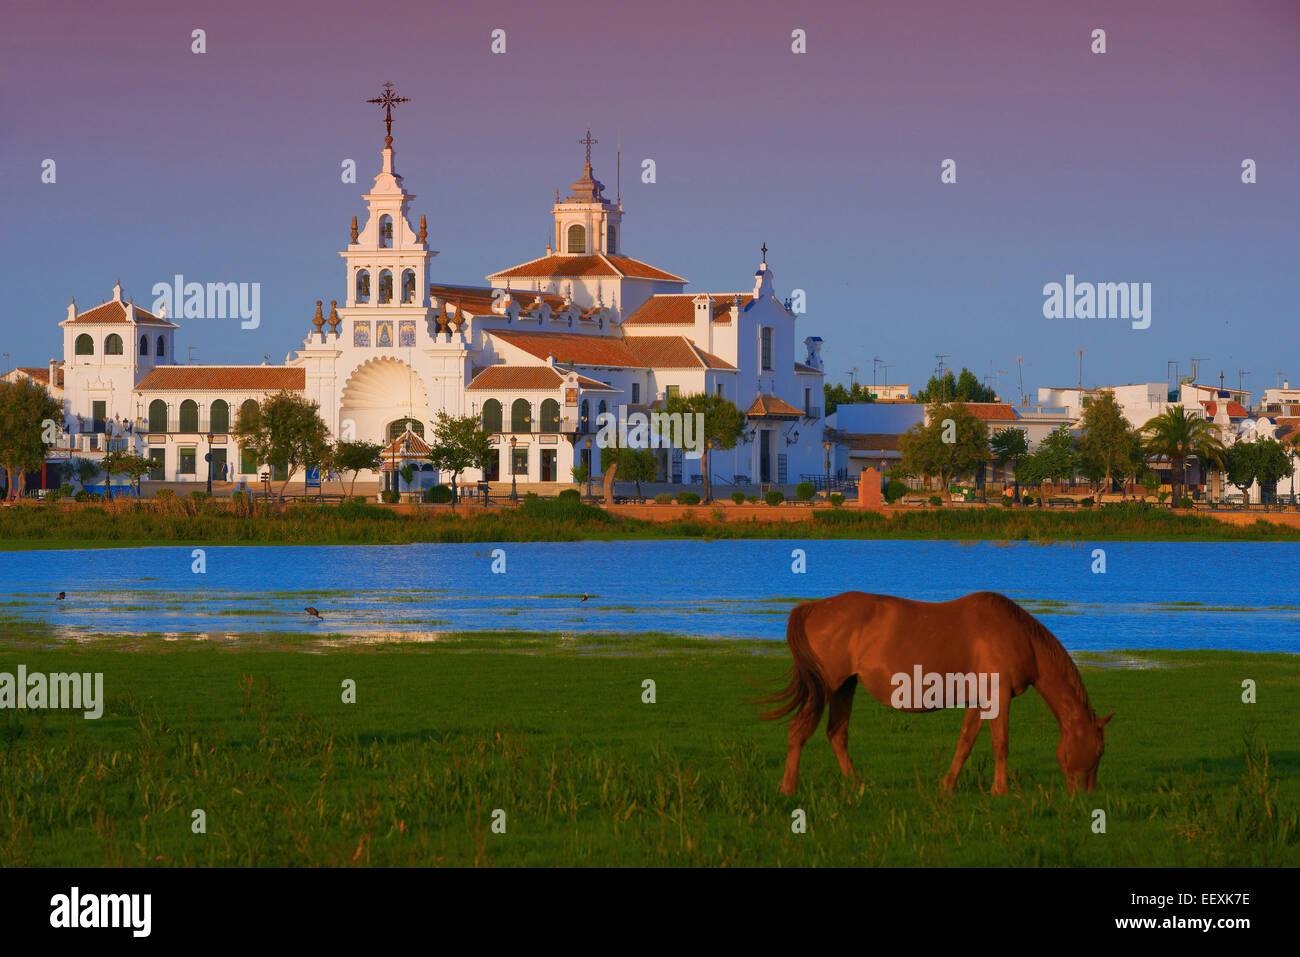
{"x":1178,"y":435}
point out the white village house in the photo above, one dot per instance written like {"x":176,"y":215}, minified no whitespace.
{"x":537,"y":353}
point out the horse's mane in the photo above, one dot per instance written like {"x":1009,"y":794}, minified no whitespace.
{"x":1050,"y":647}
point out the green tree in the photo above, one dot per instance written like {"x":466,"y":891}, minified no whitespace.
{"x":1273,"y":462}
{"x":355,"y":457}
{"x":838,"y":395}
{"x":1055,"y":460}
{"x":1178,"y":435}
{"x":634,"y":465}
{"x":459,"y":443}
{"x":1009,"y":445}
{"x":723,"y":425}
{"x":285,"y":431}
{"x":30,"y":421}
{"x":1108,"y":443}
{"x":87,"y":471}
{"x":954,"y":443}
{"x":126,"y":463}
{"x":965,"y":387}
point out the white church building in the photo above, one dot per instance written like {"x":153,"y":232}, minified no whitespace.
{"x":537,"y":353}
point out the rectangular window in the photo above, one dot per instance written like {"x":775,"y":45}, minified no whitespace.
{"x":636,"y":393}
{"x":720,"y":392}
{"x":807,"y":400}
{"x":672,"y":391}
{"x":157,"y":464}
{"x":520,"y":465}
{"x":766,"y":363}
{"x":187,"y":460}
{"x":247,"y":462}
{"x":361,"y":333}
{"x":99,"y":413}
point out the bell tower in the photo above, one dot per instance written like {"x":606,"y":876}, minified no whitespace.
{"x":587,"y":223}
{"x":387,"y":260}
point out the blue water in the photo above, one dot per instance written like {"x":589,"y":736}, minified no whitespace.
{"x":1243,"y":596}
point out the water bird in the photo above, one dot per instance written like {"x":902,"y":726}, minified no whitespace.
{"x":314,"y":613}
{"x":62,"y":595}
{"x":584,"y":598}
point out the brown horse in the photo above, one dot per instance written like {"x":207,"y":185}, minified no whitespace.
{"x":976,"y":652}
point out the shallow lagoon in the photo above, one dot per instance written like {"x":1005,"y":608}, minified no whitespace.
{"x":1226,"y":595}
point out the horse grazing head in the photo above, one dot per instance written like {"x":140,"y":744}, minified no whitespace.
{"x":1079,"y":751}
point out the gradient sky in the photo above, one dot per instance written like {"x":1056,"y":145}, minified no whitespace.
{"x":1117,"y":167}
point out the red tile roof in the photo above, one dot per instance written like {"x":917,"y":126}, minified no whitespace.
{"x":114,"y":311}
{"x":550,"y":267}
{"x":479,"y":300}
{"x":500,"y":378}
{"x":632,"y":352}
{"x":224,"y":379}
{"x":801,"y":369}
{"x":406,"y":444}
{"x":41,"y":374}
{"x":772,"y":407}
{"x":678,"y":309}
{"x":991,"y":411}
{"x":1235,"y":411}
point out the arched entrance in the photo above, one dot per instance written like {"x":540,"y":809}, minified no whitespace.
{"x":380,"y":392}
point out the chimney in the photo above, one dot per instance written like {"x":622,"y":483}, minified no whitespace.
{"x":54,"y":374}
{"x":703,"y":322}
{"x":72,"y":309}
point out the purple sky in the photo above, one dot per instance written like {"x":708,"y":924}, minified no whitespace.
{"x":1116,"y":167}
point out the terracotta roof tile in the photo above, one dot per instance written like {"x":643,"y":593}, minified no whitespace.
{"x":224,"y":379}
{"x":678,"y":309}
{"x":801,"y":369}
{"x":41,"y":374}
{"x":991,"y":411}
{"x":113,"y":311}
{"x":772,"y":407}
{"x":408,"y":443}
{"x":1235,"y":411}
{"x":499,"y":378}
{"x":478,"y":300}
{"x":549,"y":267}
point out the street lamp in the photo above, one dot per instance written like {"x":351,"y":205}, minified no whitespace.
{"x":827,"y":446}
{"x":514,"y":489}
{"x":589,"y":466}
{"x":208,"y":458}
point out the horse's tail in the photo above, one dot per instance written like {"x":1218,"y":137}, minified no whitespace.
{"x":807,"y":689}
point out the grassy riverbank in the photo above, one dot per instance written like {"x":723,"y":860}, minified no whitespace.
{"x":557,"y":736}
{"x":188,"y":523}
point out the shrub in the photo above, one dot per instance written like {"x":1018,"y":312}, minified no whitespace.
{"x":65,"y":490}
{"x":836,"y":499}
{"x":388,"y":495}
{"x":936,"y":500}
{"x":198,"y":497}
{"x":52,"y":497}
{"x":239,"y":500}
{"x":81,"y":496}
{"x":570,"y":494}
{"x":805,"y":491}
{"x":1162,"y":497}
{"x":894,"y":490}
{"x":751,"y":499}
{"x":1087,"y":502}
{"x":358,"y":508}
{"x":664,"y":498}
{"x":687,"y":498}
{"x":561,"y":508}
{"x":1185,"y":502}
{"x":774,"y":497}
{"x":579,"y":473}
{"x":738,"y":498}
{"x":1008,"y":501}
{"x":163,"y":494}
{"x":438,"y":494}
{"x":1026,"y":500}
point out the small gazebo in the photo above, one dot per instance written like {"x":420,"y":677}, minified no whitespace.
{"x":407,"y":449}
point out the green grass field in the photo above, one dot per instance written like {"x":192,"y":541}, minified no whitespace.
{"x":556,"y":735}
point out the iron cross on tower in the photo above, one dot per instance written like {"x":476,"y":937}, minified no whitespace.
{"x":588,"y":141}
{"x":389,"y":100}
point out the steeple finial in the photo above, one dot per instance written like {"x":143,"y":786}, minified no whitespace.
{"x":354,"y":229}
{"x":117,"y":291}
{"x":589,"y":141}
{"x":388,"y":99}
{"x":424,"y":230}
{"x":764,"y":253}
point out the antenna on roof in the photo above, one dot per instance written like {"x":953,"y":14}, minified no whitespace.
{"x":618,"y":177}
{"x":189,"y":354}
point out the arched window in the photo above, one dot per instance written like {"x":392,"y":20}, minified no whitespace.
{"x":550,"y":415}
{"x":401,"y":425}
{"x":408,"y":285}
{"x":85,"y":345}
{"x":600,"y":410}
{"x":521,"y":416}
{"x":189,"y":416}
{"x":491,"y":416}
{"x":144,"y":345}
{"x":577,"y":239}
{"x":385,"y":285}
{"x":219,"y":416}
{"x":248,"y":408}
{"x":161,"y":349}
{"x":113,"y":345}
{"x":157,"y":416}
{"x":363,"y":285}
{"x":585,"y":416}
{"x":610,"y":246}
{"x":385,"y":232}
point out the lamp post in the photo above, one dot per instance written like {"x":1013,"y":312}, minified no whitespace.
{"x":208,"y":458}
{"x":514,"y":489}
{"x":827,"y":446}
{"x":589,"y":466}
